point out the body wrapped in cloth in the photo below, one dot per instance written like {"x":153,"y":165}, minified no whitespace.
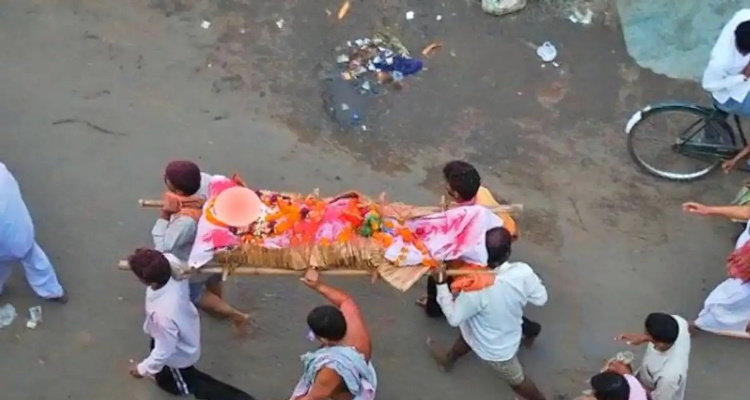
{"x":349,"y":231}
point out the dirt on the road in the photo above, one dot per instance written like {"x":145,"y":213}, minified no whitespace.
{"x":96,"y":97}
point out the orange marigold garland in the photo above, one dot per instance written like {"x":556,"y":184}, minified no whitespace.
{"x":301,"y":219}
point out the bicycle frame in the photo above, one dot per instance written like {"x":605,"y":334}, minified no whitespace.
{"x":715,"y":119}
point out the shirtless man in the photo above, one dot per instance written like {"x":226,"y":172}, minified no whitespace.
{"x":340,"y":369}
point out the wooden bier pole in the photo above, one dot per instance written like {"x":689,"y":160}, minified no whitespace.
{"x":508,"y":208}
{"x":150,"y":203}
{"x":215,"y":269}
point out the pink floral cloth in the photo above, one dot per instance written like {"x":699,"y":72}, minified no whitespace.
{"x":454,"y":234}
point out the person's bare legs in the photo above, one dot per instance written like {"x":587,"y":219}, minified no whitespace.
{"x":216,"y":288}
{"x":212,"y":303}
{"x":446,"y":359}
{"x":527,"y":390}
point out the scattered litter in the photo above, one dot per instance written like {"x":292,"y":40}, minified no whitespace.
{"x":502,"y":7}
{"x":328,"y":12}
{"x":364,"y":127}
{"x":344,"y":9}
{"x":439,"y":17}
{"x":7,"y":315}
{"x":344,"y":106}
{"x":35,"y":317}
{"x":410,"y":15}
{"x":242,"y":31}
{"x":372,"y":62}
{"x":431,"y":47}
{"x":280,"y":23}
{"x":547,"y":52}
{"x":581,"y":17}
{"x":342,"y":58}
{"x":555,"y":64}
{"x":205,"y":24}
{"x":453,"y":53}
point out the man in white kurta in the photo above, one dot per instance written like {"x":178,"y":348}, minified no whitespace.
{"x":17,"y":243}
{"x":726,"y":310}
{"x":664,"y":368}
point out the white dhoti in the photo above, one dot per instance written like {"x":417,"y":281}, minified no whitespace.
{"x":17,"y":244}
{"x":726,"y":310}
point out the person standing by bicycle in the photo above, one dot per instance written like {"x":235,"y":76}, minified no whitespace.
{"x":727,"y":76}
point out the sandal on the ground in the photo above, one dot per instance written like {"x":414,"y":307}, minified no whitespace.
{"x":422,"y":301}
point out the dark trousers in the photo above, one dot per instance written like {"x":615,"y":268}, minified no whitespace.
{"x":190,"y":381}
{"x":530,"y":328}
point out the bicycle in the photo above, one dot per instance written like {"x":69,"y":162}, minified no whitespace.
{"x":709,"y":139}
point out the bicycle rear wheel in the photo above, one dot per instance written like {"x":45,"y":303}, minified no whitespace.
{"x":657,"y":134}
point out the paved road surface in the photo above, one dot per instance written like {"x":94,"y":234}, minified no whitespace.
{"x":611,"y":243}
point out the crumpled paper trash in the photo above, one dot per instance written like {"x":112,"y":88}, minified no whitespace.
{"x":7,"y":315}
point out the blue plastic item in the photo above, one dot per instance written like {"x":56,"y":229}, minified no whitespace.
{"x":404,"y":65}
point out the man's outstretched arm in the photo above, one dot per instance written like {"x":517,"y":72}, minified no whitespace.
{"x":337,"y":297}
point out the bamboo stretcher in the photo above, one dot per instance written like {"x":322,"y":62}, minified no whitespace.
{"x":507,"y":208}
{"x":402,"y":278}
{"x":214,"y":268}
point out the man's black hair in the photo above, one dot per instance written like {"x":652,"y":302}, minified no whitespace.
{"x":610,"y":386}
{"x":184,"y":176}
{"x":327,"y":322}
{"x":663,"y":328}
{"x":498,"y":241}
{"x":742,"y":37}
{"x":150,"y":266}
{"x":462,"y":178}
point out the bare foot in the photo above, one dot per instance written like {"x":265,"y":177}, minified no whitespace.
{"x":241,"y":324}
{"x":440,"y":355}
{"x":422,"y":301}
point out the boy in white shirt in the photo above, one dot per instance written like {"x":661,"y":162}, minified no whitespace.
{"x":490,"y":319}
{"x":174,"y":233}
{"x":173,"y":324}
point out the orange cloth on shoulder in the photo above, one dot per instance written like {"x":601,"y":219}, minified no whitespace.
{"x":485,"y":198}
{"x":192,"y":206}
{"x":472,"y":282}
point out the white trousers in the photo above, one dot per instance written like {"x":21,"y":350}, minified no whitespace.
{"x":39,"y":273}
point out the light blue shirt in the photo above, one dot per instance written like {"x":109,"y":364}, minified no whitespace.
{"x":16,"y":227}
{"x":490,"y":319}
